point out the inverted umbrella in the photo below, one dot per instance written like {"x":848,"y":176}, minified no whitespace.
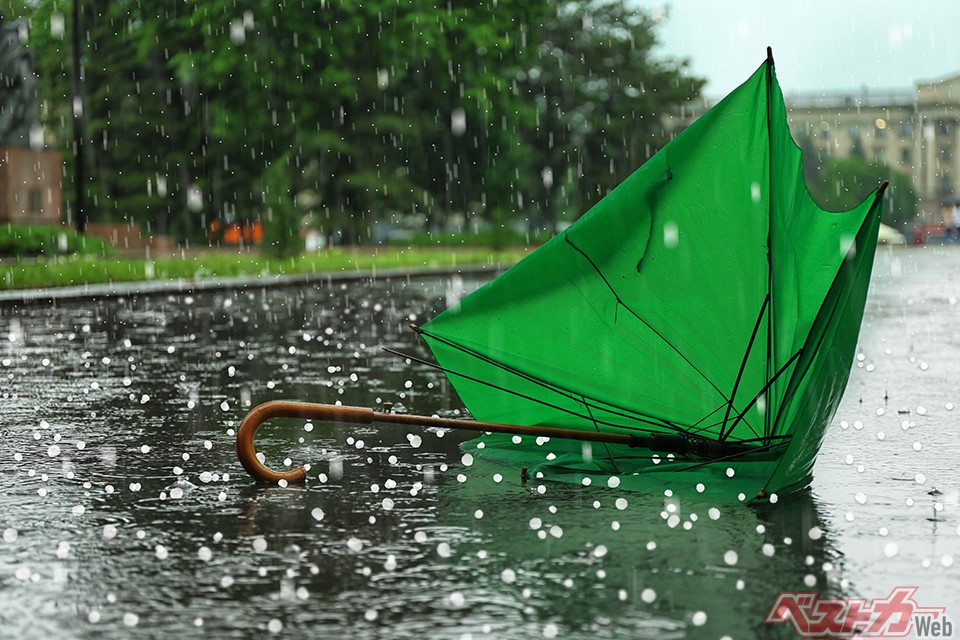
{"x":706,"y":308}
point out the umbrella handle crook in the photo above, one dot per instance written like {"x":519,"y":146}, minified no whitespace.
{"x":286,"y":409}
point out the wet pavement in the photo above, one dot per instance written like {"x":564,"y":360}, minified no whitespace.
{"x":126,"y":514}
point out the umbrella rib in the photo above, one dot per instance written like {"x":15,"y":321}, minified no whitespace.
{"x":743,"y":363}
{"x":637,"y":316}
{"x":732,"y":456}
{"x":606,"y":447}
{"x":770,"y":332}
{"x":615,"y":409}
{"x":544,"y":403}
{"x":757,"y":397}
{"x":696,"y":431}
{"x":696,"y":428}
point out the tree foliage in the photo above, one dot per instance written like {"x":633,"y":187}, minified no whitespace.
{"x":843,"y":183}
{"x":347,"y":114}
{"x":600,"y":94}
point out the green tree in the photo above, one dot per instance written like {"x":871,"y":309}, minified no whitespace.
{"x":15,"y":9}
{"x":601,"y":95}
{"x":844,"y":183}
{"x":499,"y":111}
{"x":144,"y":121}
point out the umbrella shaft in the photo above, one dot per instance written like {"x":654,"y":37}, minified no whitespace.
{"x":667,"y":443}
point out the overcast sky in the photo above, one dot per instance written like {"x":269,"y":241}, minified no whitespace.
{"x":818,"y":45}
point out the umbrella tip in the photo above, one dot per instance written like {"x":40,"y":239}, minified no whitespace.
{"x":770,"y":55}
{"x":415,"y":328}
{"x":883,"y":187}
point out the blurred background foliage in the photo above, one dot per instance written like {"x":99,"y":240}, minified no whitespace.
{"x":352,"y":118}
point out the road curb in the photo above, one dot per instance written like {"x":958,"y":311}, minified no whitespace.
{"x":19,"y":297}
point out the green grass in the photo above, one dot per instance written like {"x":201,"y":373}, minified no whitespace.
{"x":81,"y":270}
{"x":486,"y":238}
{"x":47,"y":240}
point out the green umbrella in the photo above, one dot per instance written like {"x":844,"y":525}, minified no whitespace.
{"x":706,"y":299}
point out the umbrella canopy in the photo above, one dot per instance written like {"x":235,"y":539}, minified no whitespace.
{"x":707,"y":296}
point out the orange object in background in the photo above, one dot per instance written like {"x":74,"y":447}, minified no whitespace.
{"x":252,"y":232}
{"x":231,"y":234}
{"x":247,"y":232}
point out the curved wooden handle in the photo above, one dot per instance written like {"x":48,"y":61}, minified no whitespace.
{"x":285,"y":409}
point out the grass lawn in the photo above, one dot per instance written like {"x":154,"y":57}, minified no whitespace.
{"x":86,"y":269}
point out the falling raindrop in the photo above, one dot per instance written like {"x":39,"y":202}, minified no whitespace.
{"x":458,"y":122}
{"x":238,"y":34}
{"x":671,"y":235}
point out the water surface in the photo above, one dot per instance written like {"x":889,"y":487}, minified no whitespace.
{"x":126,"y":514}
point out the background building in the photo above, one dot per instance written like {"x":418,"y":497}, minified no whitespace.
{"x":915,"y":132}
{"x":30,"y":175}
{"x":30,"y":186}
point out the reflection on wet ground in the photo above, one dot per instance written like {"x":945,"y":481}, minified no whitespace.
{"x":126,"y":513}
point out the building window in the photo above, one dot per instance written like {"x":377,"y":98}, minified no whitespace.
{"x":946,"y":186}
{"x":905,"y":156}
{"x":906,"y":129}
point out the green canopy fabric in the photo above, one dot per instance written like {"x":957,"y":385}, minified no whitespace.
{"x":707,"y":295}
